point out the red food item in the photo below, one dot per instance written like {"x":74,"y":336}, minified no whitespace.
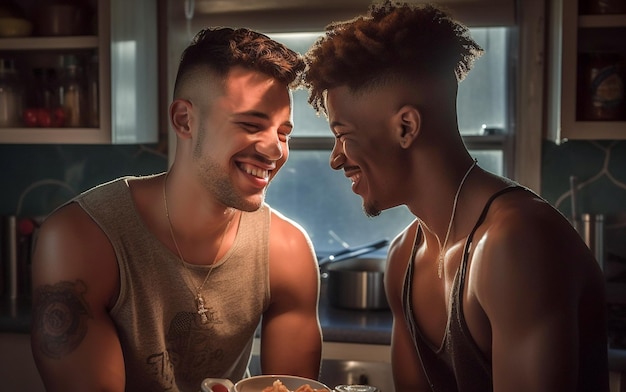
{"x":29,"y":116}
{"x":219,"y":388}
{"x":57,"y":116}
{"x":43,"y":118}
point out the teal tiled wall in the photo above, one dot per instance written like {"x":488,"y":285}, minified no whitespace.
{"x":600,"y":171}
{"x":37,"y":178}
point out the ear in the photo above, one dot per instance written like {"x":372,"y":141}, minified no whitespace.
{"x":407,"y":125}
{"x":180,"y":117}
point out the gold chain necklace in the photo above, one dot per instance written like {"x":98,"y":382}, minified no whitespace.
{"x":445,"y":241}
{"x":199,"y":298}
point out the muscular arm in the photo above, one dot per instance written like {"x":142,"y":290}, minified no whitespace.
{"x":291,"y":338}
{"x":532,"y":272}
{"x":73,"y":340}
{"x":406,"y":366}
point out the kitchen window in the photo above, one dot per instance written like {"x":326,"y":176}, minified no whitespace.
{"x":320,"y":199}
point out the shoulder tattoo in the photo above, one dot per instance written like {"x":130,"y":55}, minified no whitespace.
{"x":60,"y":315}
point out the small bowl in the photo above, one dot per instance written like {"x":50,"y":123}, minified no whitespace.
{"x":258,"y":383}
{"x":15,"y":27}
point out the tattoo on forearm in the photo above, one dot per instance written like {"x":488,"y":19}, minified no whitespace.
{"x":60,"y":315}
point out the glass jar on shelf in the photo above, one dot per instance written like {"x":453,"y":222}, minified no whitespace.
{"x":11,"y":94}
{"x":72,"y":92}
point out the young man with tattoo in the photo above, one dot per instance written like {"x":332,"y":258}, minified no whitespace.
{"x":490,"y":287}
{"x":155,"y":283}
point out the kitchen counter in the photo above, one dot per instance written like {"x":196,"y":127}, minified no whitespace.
{"x":338,"y":325}
{"x":353,"y":326}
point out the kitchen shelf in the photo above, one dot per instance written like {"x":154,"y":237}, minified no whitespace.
{"x":590,"y":21}
{"x":54,"y":136}
{"x":125,"y":45}
{"x":572,"y":35}
{"x":47,"y":43}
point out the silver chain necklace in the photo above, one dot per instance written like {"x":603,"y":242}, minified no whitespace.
{"x":199,"y":298}
{"x":456,"y":200}
{"x":442,"y":252}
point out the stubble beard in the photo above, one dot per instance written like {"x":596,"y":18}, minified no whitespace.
{"x":371,"y":210}
{"x":216,"y":181}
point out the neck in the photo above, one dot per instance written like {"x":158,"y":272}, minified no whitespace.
{"x":433,"y":196}
{"x":198,"y":232}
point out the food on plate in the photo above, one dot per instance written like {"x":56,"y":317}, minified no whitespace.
{"x":278,"y":386}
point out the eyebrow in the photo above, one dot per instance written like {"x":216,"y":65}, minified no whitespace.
{"x":335,"y":124}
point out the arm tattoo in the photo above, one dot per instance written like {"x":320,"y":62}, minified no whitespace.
{"x":60,"y":315}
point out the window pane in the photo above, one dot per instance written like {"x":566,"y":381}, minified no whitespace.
{"x":306,"y":121}
{"x":490,"y":160}
{"x":321,"y":200}
{"x":482,"y":96}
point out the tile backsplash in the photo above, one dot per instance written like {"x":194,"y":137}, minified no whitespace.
{"x":38,"y":178}
{"x":599,"y":172}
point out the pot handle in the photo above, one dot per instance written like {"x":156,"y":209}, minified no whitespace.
{"x":352,"y":252}
{"x":217,"y":385}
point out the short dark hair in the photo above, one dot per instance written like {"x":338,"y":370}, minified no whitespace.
{"x":221,"y":48}
{"x":393,"y":40}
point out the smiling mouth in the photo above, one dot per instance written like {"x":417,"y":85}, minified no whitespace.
{"x":355,"y":178}
{"x":255,"y":171}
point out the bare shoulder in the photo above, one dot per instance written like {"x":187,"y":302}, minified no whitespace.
{"x":523,"y":222}
{"x":286,"y":234}
{"x":525,"y":242}
{"x":291,"y":249}
{"x":72,"y":248}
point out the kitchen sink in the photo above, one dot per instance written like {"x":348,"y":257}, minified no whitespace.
{"x":344,"y":372}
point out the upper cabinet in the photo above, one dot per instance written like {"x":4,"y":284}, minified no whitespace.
{"x":587,"y":70}
{"x":79,"y":72}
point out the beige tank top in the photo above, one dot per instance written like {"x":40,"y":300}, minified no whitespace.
{"x":165,"y":345}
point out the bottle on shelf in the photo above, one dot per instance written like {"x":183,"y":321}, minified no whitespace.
{"x":602,"y":91}
{"x":72,"y":92}
{"x":11,"y":94}
{"x":93,"y":92}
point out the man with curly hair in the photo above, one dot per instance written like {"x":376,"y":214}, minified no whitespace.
{"x":155,"y":283}
{"x":490,"y":287}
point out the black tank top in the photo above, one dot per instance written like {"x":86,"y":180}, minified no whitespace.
{"x":458,"y":365}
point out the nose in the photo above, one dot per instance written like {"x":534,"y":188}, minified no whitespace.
{"x":269,"y":145}
{"x":337,"y":156}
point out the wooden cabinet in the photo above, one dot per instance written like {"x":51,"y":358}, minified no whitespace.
{"x":574,"y":37}
{"x":122,"y":46}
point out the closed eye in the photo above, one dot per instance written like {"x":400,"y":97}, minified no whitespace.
{"x":250,"y":127}
{"x":284,"y":133}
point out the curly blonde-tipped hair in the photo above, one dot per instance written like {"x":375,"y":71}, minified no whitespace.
{"x":393,"y":40}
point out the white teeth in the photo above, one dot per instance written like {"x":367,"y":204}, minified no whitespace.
{"x":355,"y":178}
{"x":254,"y":171}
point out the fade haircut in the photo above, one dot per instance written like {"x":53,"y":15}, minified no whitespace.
{"x":221,"y":48}
{"x":393,"y":41}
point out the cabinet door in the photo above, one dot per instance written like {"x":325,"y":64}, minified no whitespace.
{"x":123,"y":42}
{"x":574,"y":37}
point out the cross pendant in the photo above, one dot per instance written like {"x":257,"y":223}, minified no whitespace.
{"x":202,"y":311}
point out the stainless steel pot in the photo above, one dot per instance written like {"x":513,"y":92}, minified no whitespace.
{"x":353,"y":282}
